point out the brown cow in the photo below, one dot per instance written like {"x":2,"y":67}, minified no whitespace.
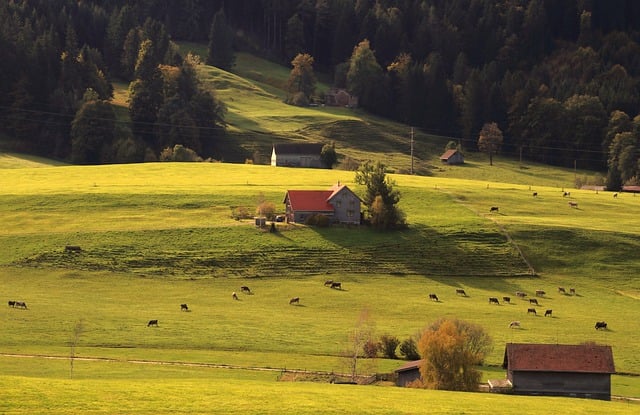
{"x":184,"y":307}
{"x":152,"y":323}
{"x":461,"y":292}
{"x":336,"y":285}
{"x":548,"y":313}
{"x":295,"y":300}
{"x":532,"y":311}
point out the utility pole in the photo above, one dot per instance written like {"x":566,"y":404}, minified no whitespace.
{"x":412,"y":150}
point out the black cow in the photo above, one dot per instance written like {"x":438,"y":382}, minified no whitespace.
{"x":184,"y":307}
{"x":493,"y":300}
{"x":336,"y":285}
{"x":461,"y":292}
{"x":295,"y":300}
{"x":540,"y":293}
{"x":521,"y":294}
{"x":506,"y":299}
{"x":433,"y":297}
{"x":533,"y":301}
{"x":245,"y":289}
{"x":152,"y":323}
{"x":548,"y":313}
{"x":562,"y":290}
{"x":601,"y":325}
{"x":532,"y":311}
{"x":535,"y":194}
{"x":494,"y":209}
{"x":12,"y":303}
{"x":21,"y":304}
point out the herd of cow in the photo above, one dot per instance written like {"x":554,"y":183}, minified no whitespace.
{"x":184,"y":307}
{"x":572,"y":204}
{"x":523,"y":295}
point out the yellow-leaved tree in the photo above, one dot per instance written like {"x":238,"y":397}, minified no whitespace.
{"x":450,"y":349}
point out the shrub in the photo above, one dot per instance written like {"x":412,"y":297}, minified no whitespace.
{"x":388,"y":345}
{"x":370,"y":349}
{"x":241,"y":212}
{"x":318,"y":220}
{"x":409,"y":349}
{"x":266,"y":209}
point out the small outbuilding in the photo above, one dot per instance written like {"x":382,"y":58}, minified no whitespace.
{"x":408,"y":372}
{"x":297,"y":155}
{"x":452,"y":156}
{"x":582,"y":371}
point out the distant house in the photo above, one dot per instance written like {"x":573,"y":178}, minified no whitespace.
{"x":297,"y":155}
{"x":452,"y":156}
{"x":408,"y":372}
{"x":631,"y":189}
{"x":339,"y":97}
{"x":339,"y":204}
{"x":582,"y":371}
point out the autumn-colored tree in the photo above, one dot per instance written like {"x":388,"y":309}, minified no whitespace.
{"x":490,"y":140}
{"x":302,"y":81}
{"x":450,"y":349}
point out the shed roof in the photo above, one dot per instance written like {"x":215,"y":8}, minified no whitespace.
{"x":585,"y":358}
{"x":299,"y":148}
{"x":448,"y":154}
{"x":415,"y":364}
{"x":310,"y":200}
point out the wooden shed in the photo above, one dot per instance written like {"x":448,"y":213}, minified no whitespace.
{"x":452,"y":156}
{"x":408,"y":372}
{"x":582,"y":371}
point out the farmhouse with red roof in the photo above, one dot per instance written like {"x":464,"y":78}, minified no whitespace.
{"x":560,"y":370}
{"x":339,"y":204}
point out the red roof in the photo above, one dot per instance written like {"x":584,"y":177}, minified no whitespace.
{"x":310,"y":200}
{"x":447,"y":154}
{"x":585,"y":358}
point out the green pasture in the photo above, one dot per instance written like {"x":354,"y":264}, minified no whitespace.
{"x":158,"y":235}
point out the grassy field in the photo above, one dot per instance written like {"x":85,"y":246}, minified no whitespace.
{"x":158,"y":235}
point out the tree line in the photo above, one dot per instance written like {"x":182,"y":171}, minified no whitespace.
{"x":556,"y":76}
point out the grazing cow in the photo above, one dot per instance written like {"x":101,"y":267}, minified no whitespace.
{"x":532,"y":311}
{"x":336,"y":285}
{"x":615,"y":195}
{"x":494,"y":209}
{"x":566,"y":194}
{"x":152,"y":323}
{"x":12,"y":303}
{"x":493,"y":300}
{"x":245,"y":289}
{"x":514,"y":324}
{"x":540,"y":293}
{"x":21,"y":304}
{"x":548,"y":313}
{"x":295,"y":300}
{"x":506,"y":299}
{"x":601,"y":325}
{"x":184,"y":307}
{"x":535,"y":194}
{"x":573,"y":205}
{"x":533,"y":301}
{"x":433,"y":297}
{"x":328,"y":283}
{"x":234,"y":295}
{"x":72,"y":248}
{"x":572,"y":291}
{"x":461,"y":292}
{"x":521,"y":294}
{"x":561,"y":290}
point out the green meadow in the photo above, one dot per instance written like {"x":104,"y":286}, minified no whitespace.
{"x":154,"y":236}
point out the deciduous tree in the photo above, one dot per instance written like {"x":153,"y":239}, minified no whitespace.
{"x":490,"y":140}
{"x":302,"y":80}
{"x":450,"y":349}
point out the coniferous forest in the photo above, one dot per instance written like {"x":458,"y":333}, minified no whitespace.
{"x":560,"y":78}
